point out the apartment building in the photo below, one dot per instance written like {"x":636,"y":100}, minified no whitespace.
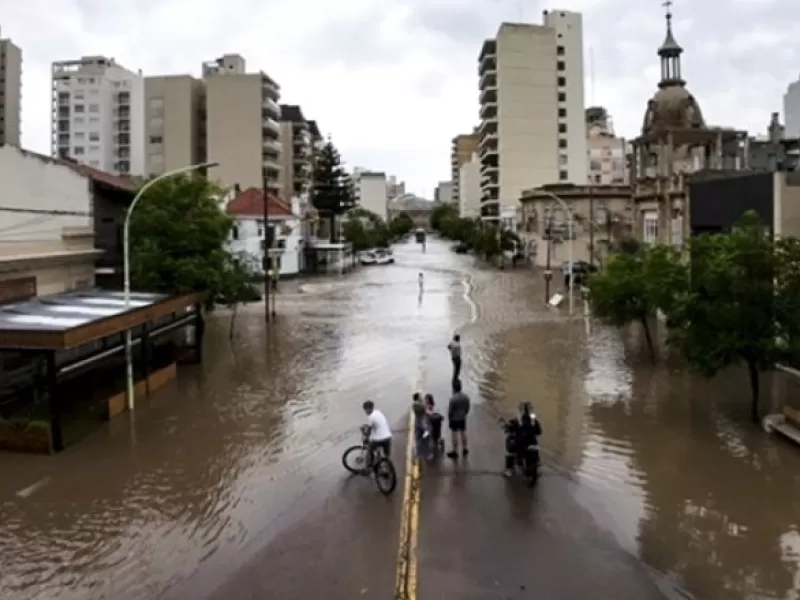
{"x":532,"y":130}
{"x":297,"y":152}
{"x":444,"y":192}
{"x":606,"y":153}
{"x":469,"y":185}
{"x":464,"y":147}
{"x":98,"y":114}
{"x":791,"y":110}
{"x":10,"y":92}
{"x":372,"y":191}
{"x":241,"y":124}
{"x":174,"y":123}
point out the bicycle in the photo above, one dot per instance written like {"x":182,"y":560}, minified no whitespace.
{"x":362,"y":460}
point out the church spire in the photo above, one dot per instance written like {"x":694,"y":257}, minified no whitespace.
{"x":670,"y":53}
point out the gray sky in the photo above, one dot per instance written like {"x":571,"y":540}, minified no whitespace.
{"x":394,"y":80}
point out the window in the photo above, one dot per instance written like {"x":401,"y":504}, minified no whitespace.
{"x":650,"y":232}
{"x":562,"y":81}
{"x":94,"y":136}
{"x":156,"y":139}
{"x":156,"y":123}
{"x":78,"y":96}
{"x":79,"y":135}
{"x":235,"y":232}
{"x":561,"y":66}
{"x":94,"y":149}
{"x":562,"y":159}
{"x":156,"y":103}
{"x":562,"y":128}
{"x":562,"y":176}
{"x":562,"y":97}
{"x":562,"y":143}
{"x":562,"y":112}
{"x":94,"y":108}
{"x":79,"y":108}
{"x":94,"y":119}
{"x":79,"y":151}
{"x":560,"y":50}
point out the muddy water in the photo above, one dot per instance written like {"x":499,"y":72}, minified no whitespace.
{"x":217,"y":464}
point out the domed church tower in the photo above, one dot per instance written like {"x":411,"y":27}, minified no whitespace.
{"x":675,"y":142}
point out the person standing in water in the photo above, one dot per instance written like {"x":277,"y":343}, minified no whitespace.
{"x":421,"y":281}
{"x":455,"y":355}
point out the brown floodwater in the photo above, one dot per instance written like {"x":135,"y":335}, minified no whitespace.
{"x":235,"y":450}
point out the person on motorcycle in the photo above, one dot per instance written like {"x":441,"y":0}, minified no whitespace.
{"x":523,"y":434}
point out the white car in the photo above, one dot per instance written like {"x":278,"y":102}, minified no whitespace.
{"x":381,"y":256}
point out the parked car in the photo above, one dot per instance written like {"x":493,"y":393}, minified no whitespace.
{"x":379,"y":256}
{"x":580,"y":270}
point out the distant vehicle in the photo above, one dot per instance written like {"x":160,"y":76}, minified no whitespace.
{"x":580,"y":270}
{"x":379,"y":256}
{"x":460,"y":248}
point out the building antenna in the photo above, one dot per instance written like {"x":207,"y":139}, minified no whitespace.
{"x":591,"y":75}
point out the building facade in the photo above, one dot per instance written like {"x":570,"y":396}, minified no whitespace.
{"x":469,"y":185}
{"x":10,"y":92}
{"x":791,"y":110}
{"x":444,"y":192}
{"x":607,"y":163}
{"x":372,"y":192}
{"x":297,"y":152}
{"x":249,"y":238}
{"x":675,"y":143}
{"x":174,"y":126}
{"x":98,"y":114}
{"x":48,"y":226}
{"x":774,"y":151}
{"x":532,"y":129}
{"x":463,"y":148}
{"x":242,"y":132}
{"x":600,"y":219}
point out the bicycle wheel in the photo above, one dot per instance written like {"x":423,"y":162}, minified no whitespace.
{"x":385,"y":476}
{"x":354,"y":460}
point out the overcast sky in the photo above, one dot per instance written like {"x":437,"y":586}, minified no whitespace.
{"x":394,"y":80}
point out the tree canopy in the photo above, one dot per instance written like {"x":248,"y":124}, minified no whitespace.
{"x":364,"y":229}
{"x":736,"y":301}
{"x":178,"y":235}
{"x":400,"y":225}
{"x":332,"y":191}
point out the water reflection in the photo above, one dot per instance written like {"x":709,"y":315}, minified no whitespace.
{"x":668,"y":461}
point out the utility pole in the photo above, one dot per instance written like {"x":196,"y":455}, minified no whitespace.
{"x":548,"y":274}
{"x":591,"y":224}
{"x":267,"y":258}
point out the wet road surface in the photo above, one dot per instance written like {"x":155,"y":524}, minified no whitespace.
{"x":229,"y":483}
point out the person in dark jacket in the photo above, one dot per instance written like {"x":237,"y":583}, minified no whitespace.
{"x":457,"y":411}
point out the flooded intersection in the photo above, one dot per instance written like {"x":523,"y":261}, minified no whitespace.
{"x":239,"y":462}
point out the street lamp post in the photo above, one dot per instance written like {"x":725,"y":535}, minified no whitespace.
{"x":126,"y":269}
{"x":570,"y":232}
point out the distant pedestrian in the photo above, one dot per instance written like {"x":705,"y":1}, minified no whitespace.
{"x":457,"y":412}
{"x":455,"y":356}
{"x":421,"y":428}
{"x":421,"y":281}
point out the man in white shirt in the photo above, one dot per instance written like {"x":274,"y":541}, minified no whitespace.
{"x":381,"y":435}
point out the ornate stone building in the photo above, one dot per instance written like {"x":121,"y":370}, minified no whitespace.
{"x":674,"y":143}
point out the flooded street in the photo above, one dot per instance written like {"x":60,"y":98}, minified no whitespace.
{"x":230,"y":457}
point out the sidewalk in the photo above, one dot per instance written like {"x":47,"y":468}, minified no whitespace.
{"x":484,"y":536}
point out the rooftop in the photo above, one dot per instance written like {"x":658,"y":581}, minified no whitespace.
{"x":74,"y":318}
{"x":293,"y":113}
{"x":250,"y":202}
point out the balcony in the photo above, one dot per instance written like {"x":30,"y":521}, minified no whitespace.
{"x":489,"y":151}
{"x":272,"y":164}
{"x":272,"y":147}
{"x":488,"y":96}
{"x":272,"y":108}
{"x":487,"y":64}
{"x":488,"y":80}
{"x":489,"y":111}
{"x":489,"y":167}
{"x":271,"y":128}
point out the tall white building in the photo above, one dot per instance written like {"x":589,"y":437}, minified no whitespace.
{"x":444,"y":192}
{"x":532,"y":127}
{"x":791,"y":110}
{"x":10,"y":92}
{"x":469,"y":188}
{"x":98,"y":114}
{"x":372,"y":192}
{"x":606,"y":152}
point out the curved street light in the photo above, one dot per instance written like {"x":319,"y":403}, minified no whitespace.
{"x":126,"y":268}
{"x":570,"y":231}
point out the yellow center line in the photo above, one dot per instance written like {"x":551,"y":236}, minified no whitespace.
{"x":406,"y":577}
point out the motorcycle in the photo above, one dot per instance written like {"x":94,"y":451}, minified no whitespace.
{"x":522,"y":448}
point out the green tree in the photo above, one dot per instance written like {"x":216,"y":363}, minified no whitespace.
{"x":633,"y":286}
{"x":178,"y":235}
{"x":734,"y":311}
{"x":400,"y":225}
{"x":364,"y":229}
{"x":442,"y":213}
{"x":332,"y":190}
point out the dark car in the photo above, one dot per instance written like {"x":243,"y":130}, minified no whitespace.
{"x":580,"y":270}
